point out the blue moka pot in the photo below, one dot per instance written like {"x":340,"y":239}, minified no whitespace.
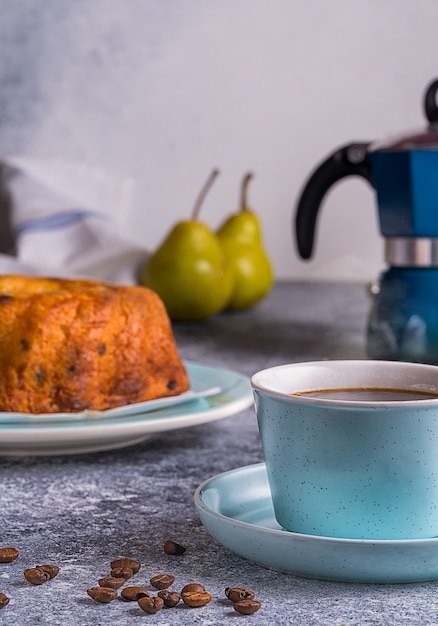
{"x":403,"y":321}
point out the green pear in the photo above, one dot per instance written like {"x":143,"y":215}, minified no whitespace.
{"x":189,"y":270}
{"x":241,"y":239}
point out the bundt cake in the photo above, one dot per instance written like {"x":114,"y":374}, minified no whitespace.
{"x":71,"y":345}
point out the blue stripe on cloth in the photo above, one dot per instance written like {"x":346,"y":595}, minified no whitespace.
{"x":55,"y":221}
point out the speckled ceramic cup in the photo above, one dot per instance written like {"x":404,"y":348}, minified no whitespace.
{"x":363,"y":469}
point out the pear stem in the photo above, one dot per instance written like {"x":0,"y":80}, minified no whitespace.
{"x":244,"y":192}
{"x":205,"y":189}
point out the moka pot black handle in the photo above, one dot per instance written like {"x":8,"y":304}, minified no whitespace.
{"x":350,"y":160}
{"x":430,"y":102}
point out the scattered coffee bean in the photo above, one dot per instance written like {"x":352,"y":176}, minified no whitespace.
{"x":134,"y":593}
{"x":235,"y":594}
{"x":4,"y":600}
{"x":171,"y":547}
{"x":196,"y":598}
{"x":192,"y":587}
{"x":110,"y":581}
{"x":170,"y":598}
{"x":192,"y":594}
{"x":151,"y":605}
{"x":162,"y":581}
{"x":36,"y":575}
{"x":51,"y":570}
{"x":7,"y":555}
{"x":102,"y":594}
{"x":123,"y":563}
{"x":247,"y":607}
{"x":122,"y":572}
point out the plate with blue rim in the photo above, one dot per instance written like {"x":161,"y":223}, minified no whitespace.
{"x":215,"y":393}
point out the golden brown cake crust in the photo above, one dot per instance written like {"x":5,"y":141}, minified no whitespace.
{"x":70,"y":345}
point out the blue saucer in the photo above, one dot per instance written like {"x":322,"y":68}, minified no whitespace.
{"x":236,"y":509}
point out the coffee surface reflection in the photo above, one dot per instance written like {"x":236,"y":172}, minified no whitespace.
{"x":369,"y":394}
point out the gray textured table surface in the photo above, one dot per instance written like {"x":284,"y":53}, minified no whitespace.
{"x":82,"y":511}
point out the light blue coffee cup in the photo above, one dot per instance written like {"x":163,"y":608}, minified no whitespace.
{"x":361,"y":469}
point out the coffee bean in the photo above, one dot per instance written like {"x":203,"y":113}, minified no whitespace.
{"x":247,"y":607}
{"x":102,"y":594}
{"x":7,"y":555}
{"x":4,"y":600}
{"x":162,"y":581}
{"x":151,"y":605}
{"x":171,"y":547}
{"x":126,"y":563}
{"x":235,"y":594}
{"x":192,"y":587}
{"x":196,"y":598}
{"x":111,"y":581}
{"x":122,"y":572}
{"x":51,"y":570}
{"x":36,"y":575}
{"x":170,"y":598}
{"x":134,"y":593}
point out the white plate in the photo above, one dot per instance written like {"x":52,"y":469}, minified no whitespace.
{"x":116,"y":431}
{"x":236,"y":509}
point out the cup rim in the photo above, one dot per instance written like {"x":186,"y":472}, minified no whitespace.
{"x":431,"y":371}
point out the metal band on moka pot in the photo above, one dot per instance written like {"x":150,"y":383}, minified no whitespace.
{"x":411,"y":251}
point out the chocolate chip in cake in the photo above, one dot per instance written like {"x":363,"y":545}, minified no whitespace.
{"x":40,"y":375}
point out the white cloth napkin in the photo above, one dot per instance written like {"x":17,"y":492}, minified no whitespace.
{"x":61,"y":218}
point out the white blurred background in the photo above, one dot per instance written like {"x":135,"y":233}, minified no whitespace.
{"x":165,"y":90}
